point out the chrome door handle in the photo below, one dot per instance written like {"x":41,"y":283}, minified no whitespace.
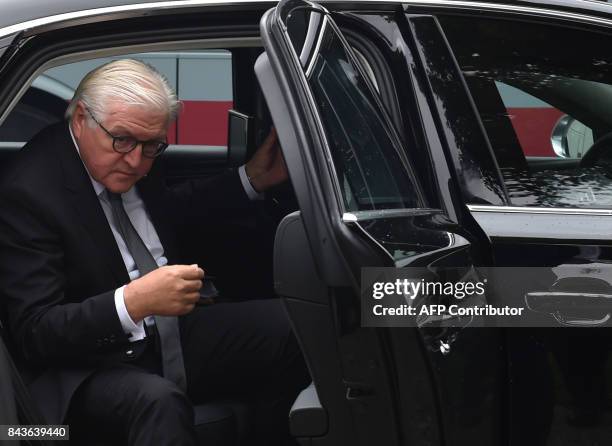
{"x":561,"y":305}
{"x":581,"y":322}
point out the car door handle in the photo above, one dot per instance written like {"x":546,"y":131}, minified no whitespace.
{"x":572,"y":308}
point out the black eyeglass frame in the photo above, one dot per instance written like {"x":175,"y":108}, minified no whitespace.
{"x":160,"y":145}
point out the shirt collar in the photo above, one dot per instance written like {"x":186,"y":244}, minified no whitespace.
{"x":99,"y":188}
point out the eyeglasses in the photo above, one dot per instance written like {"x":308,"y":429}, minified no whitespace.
{"x":125,"y":144}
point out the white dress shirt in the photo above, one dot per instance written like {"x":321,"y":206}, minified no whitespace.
{"x":135,"y":209}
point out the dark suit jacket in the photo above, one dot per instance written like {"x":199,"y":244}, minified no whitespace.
{"x":60,"y":265}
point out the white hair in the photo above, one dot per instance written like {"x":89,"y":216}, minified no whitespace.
{"x":127,"y":81}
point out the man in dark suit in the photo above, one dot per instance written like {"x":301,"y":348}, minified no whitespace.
{"x":90,"y":284}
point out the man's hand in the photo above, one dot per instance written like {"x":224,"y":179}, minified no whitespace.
{"x":167,"y":291}
{"x":267,"y":167}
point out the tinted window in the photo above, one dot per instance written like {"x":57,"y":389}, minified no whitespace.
{"x":372,"y":173}
{"x":543,"y":94}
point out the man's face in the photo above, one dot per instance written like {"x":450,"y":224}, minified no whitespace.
{"x":118,"y":172}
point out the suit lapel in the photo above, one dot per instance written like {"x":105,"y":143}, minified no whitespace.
{"x":81,"y":194}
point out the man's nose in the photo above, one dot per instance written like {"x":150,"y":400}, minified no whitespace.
{"x":134,"y":156}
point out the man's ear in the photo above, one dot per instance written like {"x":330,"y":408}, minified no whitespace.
{"x":79,"y":119}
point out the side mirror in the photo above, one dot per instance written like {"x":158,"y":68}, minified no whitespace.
{"x":570,"y":138}
{"x":558,"y":138}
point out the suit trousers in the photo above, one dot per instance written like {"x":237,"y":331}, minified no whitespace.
{"x":240,"y":350}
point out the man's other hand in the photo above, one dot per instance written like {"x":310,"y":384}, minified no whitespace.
{"x":267,"y":167}
{"x":167,"y":291}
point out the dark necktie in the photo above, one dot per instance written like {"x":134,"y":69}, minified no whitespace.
{"x":167,"y":326}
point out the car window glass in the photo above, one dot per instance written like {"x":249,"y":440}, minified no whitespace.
{"x":543,"y":130}
{"x":202,"y":80}
{"x":543,"y":94}
{"x":372,"y":174}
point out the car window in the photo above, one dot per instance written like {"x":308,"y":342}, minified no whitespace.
{"x":202,"y":80}
{"x":371,"y":172}
{"x":542,"y":129}
{"x":543,"y":94}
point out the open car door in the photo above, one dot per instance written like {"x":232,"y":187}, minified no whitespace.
{"x":361,"y":206}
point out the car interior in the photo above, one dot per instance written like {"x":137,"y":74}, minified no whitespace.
{"x":243,"y":244}
{"x":238,"y":244}
{"x":246,"y":242}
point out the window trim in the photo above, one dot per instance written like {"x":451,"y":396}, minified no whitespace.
{"x":538,"y":210}
{"x":541,"y":225}
{"x":357,"y":216}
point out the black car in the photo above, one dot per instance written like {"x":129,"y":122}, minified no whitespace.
{"x":417,"y":133}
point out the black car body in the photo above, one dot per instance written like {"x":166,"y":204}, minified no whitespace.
{"x":399,"y":138}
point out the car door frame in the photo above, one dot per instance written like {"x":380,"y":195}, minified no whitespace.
{"x":337,"y":248}
{"x":503,"y":224}
{"x":326,"y":236}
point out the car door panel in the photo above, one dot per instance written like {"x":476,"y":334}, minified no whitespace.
{"x":565,"y":367}
{"x":346,"y":428}
{"x":310,"y":309}
{"x":374,"y":407}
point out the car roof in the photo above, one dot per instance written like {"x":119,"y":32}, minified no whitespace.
{"x":17,"y":13}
